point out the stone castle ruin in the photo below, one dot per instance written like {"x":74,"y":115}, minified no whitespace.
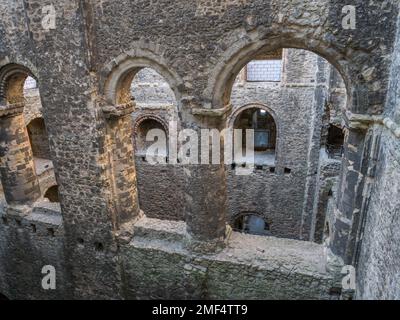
{"x":83,"y":83}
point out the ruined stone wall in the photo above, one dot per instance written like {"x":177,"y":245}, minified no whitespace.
{"x":175,"y":273}
{"x":328,"y":183}
{"x":150,"y":88}
{"x":199,"y":49}
{"x":27,"y":244}
{"x":269,"y":192}
{"x":160,"y":187}
{"x":378,"y":271}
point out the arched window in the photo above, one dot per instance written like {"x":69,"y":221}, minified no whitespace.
{"x":13,"y":78}
{"x":143,"y":144}
{"x":287,"y":117}
{"x":52,"y":194}
{"x":19,"y":93}
{"x":265,"y":133}
{"x":252,"y":224}
{"x":156,"y":105}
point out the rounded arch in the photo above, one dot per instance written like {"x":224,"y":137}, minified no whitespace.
{"x":121,"y":72}
{"x":246,"y":49}
{"x":145,"y":117}
{"x":52,"y":194}
{"x":256,"y":105}
{"x":139,"y":133}
{"x":12,"y":80}
{"x":237,"y":219}
{"x":31,"y":116}
{"x":236,"y":113}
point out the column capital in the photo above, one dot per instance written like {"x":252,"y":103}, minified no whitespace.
{"x":118,"y":111}
{"x":11,"y":110}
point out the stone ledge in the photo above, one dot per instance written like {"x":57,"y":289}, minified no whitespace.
{"x":113,"y":112}
{"x":159,"y":265}
{"x":42,"y":212}
{"x":361,"y":121}
{"x":47,"y":212}
{"x":161,"y":230}
{"x":265,"y":252}
{"x":11,"y":110}
{"x":212,"y":112}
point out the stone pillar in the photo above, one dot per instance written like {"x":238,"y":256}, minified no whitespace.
{"x":17,"y":168}
{"x":205,"y":193}
{"x":351,"y":198}
{"x":119,"y":127}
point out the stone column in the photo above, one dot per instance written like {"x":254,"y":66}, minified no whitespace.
{"x":351,"y":198}
{"x":205,"y":193}
{"x":18,"y":175}
{"x":119,"y":127}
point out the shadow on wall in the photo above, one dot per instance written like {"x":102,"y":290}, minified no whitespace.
{"x":38,"y":138}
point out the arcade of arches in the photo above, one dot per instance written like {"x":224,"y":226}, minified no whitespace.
{"x":78,"y":190}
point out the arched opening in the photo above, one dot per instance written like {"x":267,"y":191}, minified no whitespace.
{"x":13,"y":78}
{"x":160,"y":186}
{"x":26,"y":134}
{"x":52,"y":194}
{"x":252,"y":224}
{"x":155,"y":106}
{"x":263,"y":124}
{"x":143,"y":139}
{"x":290,"y":134}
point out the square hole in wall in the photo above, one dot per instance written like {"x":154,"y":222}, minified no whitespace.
{"x":272,"y":169}
{"x":288,"y":171}
{"x":98,"y":246}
